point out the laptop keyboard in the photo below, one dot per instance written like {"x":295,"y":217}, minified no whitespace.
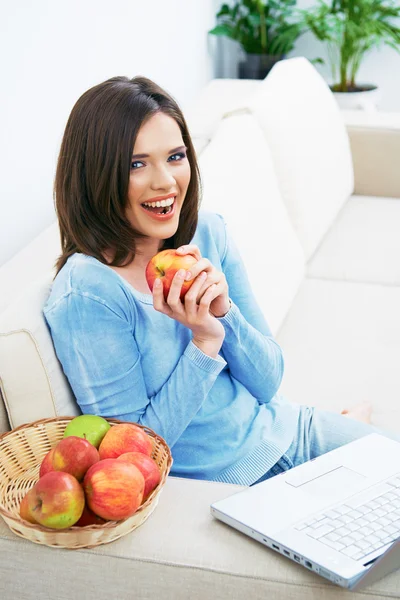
{"x":362,"y":524}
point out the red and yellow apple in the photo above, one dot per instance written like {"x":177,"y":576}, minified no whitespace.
{"x":72,"y":455}
{"x":164,"y":265}
{"x":47,"y":463}
{"x":89,"y":518}
{"x":24,"y":507}
{"x":122,"y":438}
{"x":56,"y":501}
{"x":147,"y":466}
{"x":113,"y":489}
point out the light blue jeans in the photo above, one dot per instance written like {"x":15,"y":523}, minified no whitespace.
{"x":318,"y":432}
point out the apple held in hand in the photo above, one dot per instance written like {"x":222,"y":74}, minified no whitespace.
{"x":147,"y":466}
{"x":89,"y":427}
{"x":72,"y":455}
{"x":164,"y":265}
{"x":122,"y":438}
{"x":56,"y":501}
{"x":113,"y":489}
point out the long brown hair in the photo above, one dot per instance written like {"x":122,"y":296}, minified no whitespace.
{"x":93,"y":168}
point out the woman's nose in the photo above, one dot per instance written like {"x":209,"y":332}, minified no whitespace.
{"x":162,"y":178}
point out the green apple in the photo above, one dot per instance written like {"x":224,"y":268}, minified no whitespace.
{"x":90,"y":427}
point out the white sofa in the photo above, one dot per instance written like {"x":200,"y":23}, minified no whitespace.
{"x":312,"y":197}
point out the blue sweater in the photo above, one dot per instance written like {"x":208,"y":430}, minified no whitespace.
{"x":222,"y":418}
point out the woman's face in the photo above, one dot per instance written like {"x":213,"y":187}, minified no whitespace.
{"x":160,"y":175}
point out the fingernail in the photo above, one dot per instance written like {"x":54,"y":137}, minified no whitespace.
{"x":188,"y":275}
{"x":203,"y":275}
{"x":157,"y":283}
{"x":181,"y":273}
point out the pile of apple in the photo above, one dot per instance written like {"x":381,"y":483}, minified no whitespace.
{"x":95,"y":473}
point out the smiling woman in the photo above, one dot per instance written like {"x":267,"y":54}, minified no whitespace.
{"x":202,"y":369}
{"x":158,"y":183}
{"x":101,"y":184}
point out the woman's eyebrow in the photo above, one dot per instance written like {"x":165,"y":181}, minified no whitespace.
{"x":170,"y":152}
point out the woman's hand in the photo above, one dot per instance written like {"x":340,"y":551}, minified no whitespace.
{"x":208,"y":332}
{"x":220,"y":305}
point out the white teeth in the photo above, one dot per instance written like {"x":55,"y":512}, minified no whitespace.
{"x":159,"y":203}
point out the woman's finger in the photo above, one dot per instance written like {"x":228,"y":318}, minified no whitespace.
{"x":189,"y":249}
{"x":173,"y":298}
{"x":158,"y":298}
{"x":202,"y":265}
{"x":208,"y":297}
{"x":192,"y":294}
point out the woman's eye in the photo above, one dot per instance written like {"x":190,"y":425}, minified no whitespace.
{"x":175,"y":158}
{"x":180,"y":156}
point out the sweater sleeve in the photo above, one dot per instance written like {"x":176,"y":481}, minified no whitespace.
{"x":102,"y":362}
{"x":252,"y":354}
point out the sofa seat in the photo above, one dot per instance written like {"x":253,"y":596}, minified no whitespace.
{"x":363,"y":243}
{"x":349,"y":329}
{"x":181,"y":551}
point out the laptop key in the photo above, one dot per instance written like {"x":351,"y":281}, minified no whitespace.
{"x":335,"y":545}
{"x":372,"y":539}
{"x":320,"y":531}
{"x":351,"y":551}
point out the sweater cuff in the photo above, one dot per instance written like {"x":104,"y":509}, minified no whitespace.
{"x":230,"y":317}
{"x":208,"y":363}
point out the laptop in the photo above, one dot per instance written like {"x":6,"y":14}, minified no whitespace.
{"x":337,"y":515}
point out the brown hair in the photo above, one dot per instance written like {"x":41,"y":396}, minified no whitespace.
{"x":93,"y":169}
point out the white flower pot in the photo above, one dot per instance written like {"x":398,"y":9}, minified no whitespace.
{"x":367,"y":99}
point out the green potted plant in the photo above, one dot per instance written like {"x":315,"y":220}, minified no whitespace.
{"x":351,"y":28}
{"x":266,"y":31}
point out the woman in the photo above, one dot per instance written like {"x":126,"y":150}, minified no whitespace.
{"x":203,"y":373}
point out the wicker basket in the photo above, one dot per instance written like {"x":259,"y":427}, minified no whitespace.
{"x":21,"y":453}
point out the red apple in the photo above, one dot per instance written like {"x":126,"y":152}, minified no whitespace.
{"x":164,"y":265}
{"x":113,"y":489}
{"x":72,"y":455}
{"x":56,"y":500}
{"x":24,"y":507}
{"x":89,"y":518}
{"x":47,"y":463}
{"x":147,"y":466}
{"x":122,"y":438}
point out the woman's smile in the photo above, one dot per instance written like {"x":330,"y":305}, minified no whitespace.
{"x":160,"y":208}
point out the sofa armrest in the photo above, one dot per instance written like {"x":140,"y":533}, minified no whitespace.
{"x":375,"y":145}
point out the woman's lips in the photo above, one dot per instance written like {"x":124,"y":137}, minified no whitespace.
{"x":160,"y":216}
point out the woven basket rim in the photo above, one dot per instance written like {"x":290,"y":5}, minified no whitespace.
{"x":95,"y":527}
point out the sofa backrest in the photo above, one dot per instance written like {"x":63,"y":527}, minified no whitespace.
{"x":239,"y":182}
{"x":304,"y":128}
{"x":33,"y":384}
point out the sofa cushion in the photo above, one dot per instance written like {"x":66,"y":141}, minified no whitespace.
{"x":218,"y":98}
{"x":32,"y":381}
{"x":34,"y":260}
{"x":310,"y":147}
{"x":180,"y":553}
{"x":4,"y":422}
{"x":239,"y":183}
{"x":363,"y":243}
{"x":341,"y":343}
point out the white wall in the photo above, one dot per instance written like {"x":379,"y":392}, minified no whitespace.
{"x":53,"y":51}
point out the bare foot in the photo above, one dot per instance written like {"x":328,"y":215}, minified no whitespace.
{"x":361,"y":412}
